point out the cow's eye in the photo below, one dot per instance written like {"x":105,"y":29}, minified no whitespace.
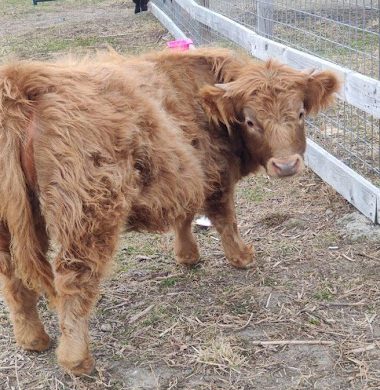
{"x":249,"y":123}
{"x":301,"y":116}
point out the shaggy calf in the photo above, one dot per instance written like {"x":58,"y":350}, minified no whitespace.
{"x":89,"y":148}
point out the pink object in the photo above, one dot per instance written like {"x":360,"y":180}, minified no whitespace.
{"x":180,"y":44}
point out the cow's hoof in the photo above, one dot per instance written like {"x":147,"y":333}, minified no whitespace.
{"x":38,"y":342}
{"x":190,"y":259}
{"x":245,"y":259}
{"x":187,"y":253}
{"x":78,"y":368}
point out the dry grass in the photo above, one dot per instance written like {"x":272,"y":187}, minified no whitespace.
{"x":314,"y":294}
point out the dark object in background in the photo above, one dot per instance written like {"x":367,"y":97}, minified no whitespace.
{"x":141,"y":5}
{"x":39,"y":1}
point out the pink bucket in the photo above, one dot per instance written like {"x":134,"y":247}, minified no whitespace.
{"x":180,"y":44}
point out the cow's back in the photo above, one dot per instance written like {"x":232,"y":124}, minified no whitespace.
{"x":174,"y":81}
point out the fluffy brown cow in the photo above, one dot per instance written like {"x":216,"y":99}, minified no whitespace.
{"x":89,"y":148}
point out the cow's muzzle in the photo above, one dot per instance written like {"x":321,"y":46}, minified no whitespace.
{"x":281,"y":167}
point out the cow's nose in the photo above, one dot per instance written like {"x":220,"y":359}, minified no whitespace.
{"x":286,"y":167}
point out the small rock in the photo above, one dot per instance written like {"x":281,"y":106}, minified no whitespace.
{"x":329,"y":212}
{"x":359,"y":228}
{"x":106,"y":328}
{"x":143,"y":258}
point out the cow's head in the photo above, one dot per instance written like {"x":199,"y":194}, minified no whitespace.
{"x":265,"y":105}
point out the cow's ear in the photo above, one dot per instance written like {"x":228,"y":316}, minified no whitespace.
{"x":320,"y":90}
{"x":217,"y":104}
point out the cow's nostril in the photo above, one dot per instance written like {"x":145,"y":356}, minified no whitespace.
{"x":286,"y":168}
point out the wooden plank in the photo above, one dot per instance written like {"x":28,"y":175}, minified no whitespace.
{"x":360,"y":91}
{"x":363,"y":92}
{"x":353,"y":187}
{"x":303,"y":61}
{"x":265,"y":17}
{"x":206,"y":30}
{"x":167,"y":22}
{"x":230,"y":29}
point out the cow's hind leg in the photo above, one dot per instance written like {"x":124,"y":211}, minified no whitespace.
{"x":185,"y":246}
{"x":21,"y":301}
{"x":78,"y":272}
{"x":221,"y":211}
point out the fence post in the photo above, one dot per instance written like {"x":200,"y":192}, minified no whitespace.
{"x":265,"y":17}
{"x":205,"y":30}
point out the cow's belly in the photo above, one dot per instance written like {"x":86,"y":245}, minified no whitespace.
{"x":144,"y":219}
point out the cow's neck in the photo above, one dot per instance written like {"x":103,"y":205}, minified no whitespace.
{"x":246,"y":160}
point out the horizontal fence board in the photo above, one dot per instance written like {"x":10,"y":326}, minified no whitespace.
{"x":360,"y":91}
{"x":353,"y":187}
{"x":167,"y":22}
{"x":363,"y":92}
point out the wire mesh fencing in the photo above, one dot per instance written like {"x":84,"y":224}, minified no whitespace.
{"x":345,"y":32}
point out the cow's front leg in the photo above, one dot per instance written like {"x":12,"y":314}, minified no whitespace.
{"x":221,"y":211}
{"x":185,"y":246}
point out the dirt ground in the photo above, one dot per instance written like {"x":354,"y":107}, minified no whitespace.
{"x":307,"y":317}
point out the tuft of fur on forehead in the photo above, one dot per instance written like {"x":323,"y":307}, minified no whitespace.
{"x":267,"y":79}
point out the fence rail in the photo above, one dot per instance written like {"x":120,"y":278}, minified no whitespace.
{"x":350,"y":131}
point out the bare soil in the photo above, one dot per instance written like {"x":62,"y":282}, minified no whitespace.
{"x":314,"y":293}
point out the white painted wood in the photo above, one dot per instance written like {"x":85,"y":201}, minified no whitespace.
{"x":217,"y":22}
{"x":167,"y":22}
{"x":265,"y":17}
{"x":353,"y":187}
{"x":360,"y":91}
{"x":304,"y":61}
{"x":363,"y":92}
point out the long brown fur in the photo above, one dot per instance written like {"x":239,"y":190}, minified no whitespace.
{"x":91,"y":147}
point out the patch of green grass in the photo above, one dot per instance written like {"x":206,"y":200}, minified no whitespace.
{"x":169,"y":282}
{"x":314,"y":321}
{"x":124,"y":267}
{"x":371,"y":309}
{"x":240,"y":308}
{"x":26,"y":6}
{"x":155,"y":316}
{"x":286,"y":248}
{"x":51,"y":44}
{"x":269,"y":282}
{"x":255,"y":194}
{"x":195,"y":273}
{"x":133,"y":250}
{"x":328,"y":239}
{"x":323,"y":295}
{"x":130,"y":250}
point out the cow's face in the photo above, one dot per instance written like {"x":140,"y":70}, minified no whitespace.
{"x":266,"y":105}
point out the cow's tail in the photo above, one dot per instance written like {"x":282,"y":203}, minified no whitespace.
{"x":29,"y":261}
